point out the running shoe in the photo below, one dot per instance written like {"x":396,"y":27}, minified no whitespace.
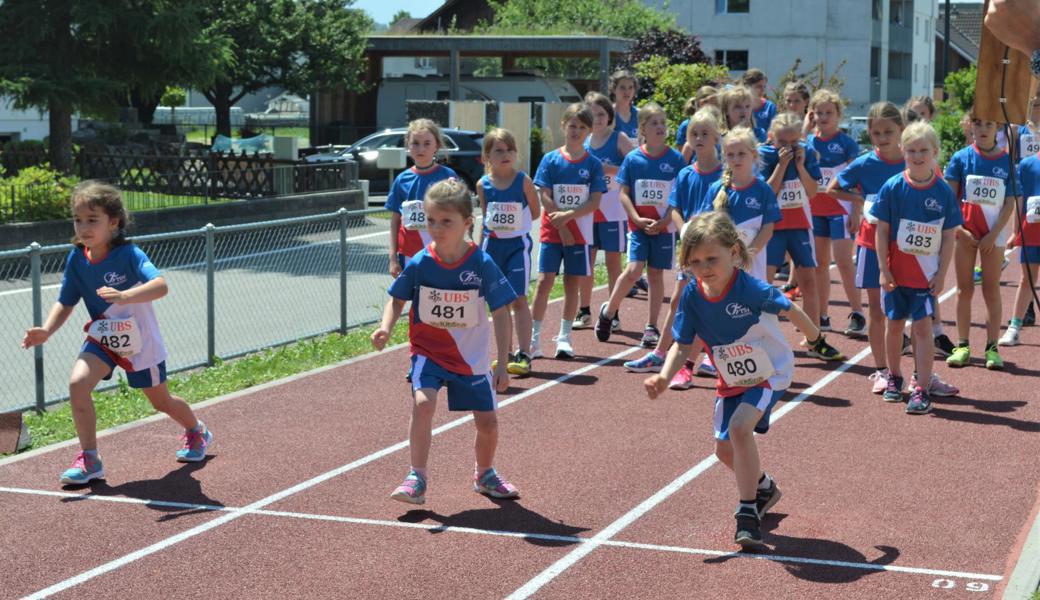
{"x":650,"y":337}
{"x":706,"y":369}
{"x":919,"y":403}
{"x":960,"y":357}
{"x":879,"y":381}
{"x":494,"y":485}
{"x":767,"y":498}
{"x":563,"y":346}
{"x":825,"y":324}
{"x":908,"y":346}
{"x":936,"y":386}
{"x":749,"y":529}
{"x":893,"y":389}
{"x":993,"y":360}
{"x":792,"y":292}
{"x":683,"y":380}
{"x":196,"y":443}
{"x":583,"y":319}
{"x":615,"y":323}
{"x":824,"y":351}
{"x":536,"y":347}
{"x":977,"y":276}
{"x":520,"y":364}
{"x":84,"y":468}
{"x":1010,"y":337}
{"x":651,"y":363}
{"x":943,"y":345}
{"x":412,"y":490}
{"x":602,"y":324}
{"x":642,"y":284}
{"x":857,"y":325}
{"x":1030,"y":317}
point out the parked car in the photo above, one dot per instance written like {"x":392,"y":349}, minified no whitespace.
{"x":461,"y":152}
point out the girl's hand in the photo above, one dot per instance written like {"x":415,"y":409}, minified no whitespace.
{"x":395,"y":267}
{"x":111,"y":295}
{"x":888,"y":283}
{"x":34,"y":336}
{"x":987,"y":243}
{"x":752,"y":253}
{"x":379,"y":338}
{"x":966,"y":237}
{"x":655,"y":386}
{"x":501,"y":378}
{"x":785,"y":155}
{"x":559,"y":218}
{"x":566,"y":237}
{"x":935,"y":286}
{"x":852,"y":224}
{"x":799,"y":155}
{"x":645,"y":224}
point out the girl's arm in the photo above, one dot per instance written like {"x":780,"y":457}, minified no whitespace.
{"x":391,"y":312}
{"x":881,"y":236}
{"x":625,"y":144}
{"x":760,"y":241}
{"x":483,"y":213}
{"x":857,"y":200}
{"x":661,"y":225}
{"x":802,"y":321}
{"x":630,"y":209}
{"x":561,"y":217}
{"x":34,"y":336}
{"x":395,"y":225}
{"x":988,"y":242}
{"x":503,"y":338}
{"x":532,"y":198}
{"x":687,"y":152}
{"x":945,"y":256}
{"x":153,"y":290}
{"x":808,"y":181}
{"x":656,"y":384}
{"x":776,"y":179}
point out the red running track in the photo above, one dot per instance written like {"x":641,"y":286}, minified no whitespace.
{"x":622,"y":497}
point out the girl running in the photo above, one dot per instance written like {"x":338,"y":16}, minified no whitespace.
{"x":450,"y":284}
{"x":118,"y":283}
{"x":509,"y":204}
{"x":917,"y":216}
{"x":735,"y":317}
{"x":623,"y":86}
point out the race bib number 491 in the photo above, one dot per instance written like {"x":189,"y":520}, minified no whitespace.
{"x":792,"y":195}
{"x":121,"y":336}
{"x":570,"y":196}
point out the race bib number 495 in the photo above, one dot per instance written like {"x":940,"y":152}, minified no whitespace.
{"x":1030,"y":145}
{"x":449,"y":309}
{"x":413,"y":217}
{"x":743,"y":364}
{"x":918,"y":238}
{"x":570,"y":196}
{"x":121,"y":336}
{"x":652,"y":192}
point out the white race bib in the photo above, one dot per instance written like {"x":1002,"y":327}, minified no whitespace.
{"x":504,"y":216}
{"x":747,"y":234}
{"x":743,"y":364}
{"x":827,"y":175}
{"x":413,"y":217}
{"x":792,"y":195}
{"x":570,"y":196}
{"x":868,"y":203}
{"x":449,"y":309}
{"x":918,"y":238}
{"x":1033,"y":209}
{"x":1029,"y":144}
{"x":121,"y":336}
{"x":652,"y":192}
{"x":984,"y":191}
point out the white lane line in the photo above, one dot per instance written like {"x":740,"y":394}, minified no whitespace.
{"x":276,"y":497}
{"x":664,"y":493}
{"x":569,"y":539}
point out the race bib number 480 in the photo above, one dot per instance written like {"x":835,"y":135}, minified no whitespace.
{"x":449,"y":309}
{"x":504,"y":216}
{"x":792,"y":195}
{"x":743,"y":364}
{"x":413,"y":217}
{"x":984,"y":191}
{"x":121,"y":336}
{"x":570,"y":196}
{"x":918,"y":238}
{"x":652,"y":192}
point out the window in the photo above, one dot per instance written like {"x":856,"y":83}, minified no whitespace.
{"x":735,"y":60}
{"x":917,"y":25}
{"x":424,"y":62}
{"x":723,"y":7}
{"x":875,"y":62}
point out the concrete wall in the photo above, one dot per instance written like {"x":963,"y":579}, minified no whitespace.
{"x":29,"y":124}
{"x":20,"y":235}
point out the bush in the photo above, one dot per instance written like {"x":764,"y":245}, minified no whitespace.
{"x":675,"y":84}
{"x":960,"y":85}
{"x":947,"y":124}
{"x":675,"y":46}
{"x":37,"y":193}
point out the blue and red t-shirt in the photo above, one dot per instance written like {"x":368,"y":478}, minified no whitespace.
{"x":410,"y":187}
{"x":865,"y":175}
{"x":572,"y":183}
{"x":835,"y":153}
{"x":649,"y":181}
{"x":691,"y":185}
{"x":793,"y":197}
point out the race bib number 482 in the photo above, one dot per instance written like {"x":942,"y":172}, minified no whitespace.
{"x":121,"y":336}
{"x":570,"y":196}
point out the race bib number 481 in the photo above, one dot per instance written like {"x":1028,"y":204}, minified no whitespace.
{"x":449,"y":309}
{"x":918,"y":238}
{"x":743,"y":364}
{"x":413,"y":217}
{"x":570,"y":196}
{"x":121,"y":336}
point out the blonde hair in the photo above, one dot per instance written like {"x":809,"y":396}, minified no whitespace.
{"x":784,"y":122}
{"x":420,"y":125}
{"x":450,"y":194}
{"x":739,"y":135}
{"x":490,"y":138}
{"x":714,"y":226}
{"x":106,"y":198}
{"x":825,"y":95}
{"x":603,"y":102}
{"x":730,"y":97}
{"x":649,"y":111}
{"x":705,"y":95}
{"x":884,"y":110}
{"x":920,"y":130}
{"x":689,"y":107}
{"x":579,"y":111}
{"x":709,"y":117}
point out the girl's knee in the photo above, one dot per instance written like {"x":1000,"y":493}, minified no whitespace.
{"x":486,"y":422}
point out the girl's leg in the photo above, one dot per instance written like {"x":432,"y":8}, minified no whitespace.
{"x":724,"y":452}
{"x":822,"y":275}
{"x":487,"y":439}
{"x":175,"y":407}
{"x":420,"y":430}
{"x":522,"y":323}
{"x":613,"y":263}
{"x":1025,"y":294}
{"x":876,"y":329}
{"x":655,"y":296}
{"x":87,"y":372}
{"x":810,"y":295}
{"x":923,"y":358}
{"x":666,"y":340}
{"x":771,"y":273}
{"x":746,"y":464}
{"x":991,"y":264}
{"x":847,"y":270}
{"x":541,"y":295}
{"x":571,"y":285}
{"x":624,"y":283}
{"x":585,"y":293}
{"x":894,"y":346}
{"x":964,"y":268}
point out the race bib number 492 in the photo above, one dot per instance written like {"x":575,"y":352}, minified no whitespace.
{"x":570,"y":196}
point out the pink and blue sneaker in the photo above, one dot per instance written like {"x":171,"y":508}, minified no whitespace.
{"x":494,"y":485}
{"x":706,"y":369}
{"x":196,"y":443}
{"x":651,"y":363}
{"x":86,"y":467}
{"x":412,"y":490}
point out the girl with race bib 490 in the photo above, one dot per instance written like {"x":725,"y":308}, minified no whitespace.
{"x":118,"y":283}
{"x":734,"y":316}
{"x":451,"y":285}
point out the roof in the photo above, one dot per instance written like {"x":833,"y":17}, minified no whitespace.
{"x":965,"y":28}
{"x":404,"y":25}
{"x":491,"y":45}
{"x":464,"y":14}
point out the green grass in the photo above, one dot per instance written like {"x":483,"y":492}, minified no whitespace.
{"x":1036,"y":595}
{"x":141,"y":201}
{"x":202,"y":135}
{"x":125,"y":405}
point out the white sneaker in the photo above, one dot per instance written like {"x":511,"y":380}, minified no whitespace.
{"x":536,"y":348}
{"x":1010,"y":337}
{"x":563,"y":346}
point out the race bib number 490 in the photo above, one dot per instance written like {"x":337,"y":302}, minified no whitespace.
{"x":743,"y":364}
{"x":570,"y":196}
{"x":449,"y":309}
{"x":984,"y":191}
{"x":918,"y":238}
{"x":1033,"y":209}
{"x":504,"y":216}
{"x":652,"y":192}
{"x":413,"y":217}
{"x":121,"y":336}
{"x":792,"y":195}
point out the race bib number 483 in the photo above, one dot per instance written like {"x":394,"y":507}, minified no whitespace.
{"x":121,"y":336}
{"x":570,"y":196}
{"x":449,"y":309}
{"x":792,"y":195}
{"x":918,"y":238}
{"x":984,"y":191}
{"x":652,"y":192}
{"x":413,"y":217}
{"x":743,"y":364}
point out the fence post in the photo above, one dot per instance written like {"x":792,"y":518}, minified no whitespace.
{"x":211,"y":313}
{"x":342,"y":270}
{"x":37,"y":308}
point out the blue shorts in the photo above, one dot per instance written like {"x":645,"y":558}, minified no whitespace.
{"x":761,"y":398}
{"x":513,"y":258}
{"x":657,"y":251}
{"x":576,"y":259}
{"x":609,"y":236}
{"x":798,"y":242}
{"x":143,"y":379}
{"x":1030,"y":254}
{"x":868,"y":270}
{"x":907,"y":303}
{"x":465,"y":392}
{"x":833,"y":227}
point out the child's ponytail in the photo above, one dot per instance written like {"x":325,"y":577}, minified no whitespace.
{"x":721,"y":201}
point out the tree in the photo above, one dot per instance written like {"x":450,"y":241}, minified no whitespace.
{"x":401,"y":14}
{"x":173,"y":97}
{"x":815,"y":78}
{"x":960,"y":85}
{"x":304,"y":46}
{"x":674,"y":84}
{"x":675,"y":47}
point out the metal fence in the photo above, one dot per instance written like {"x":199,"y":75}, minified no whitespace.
{"x":233,"y":290}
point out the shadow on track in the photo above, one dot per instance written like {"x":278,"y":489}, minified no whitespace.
{"x":507,"y":515}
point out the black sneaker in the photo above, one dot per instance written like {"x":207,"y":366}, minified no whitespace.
{"x":893,"y":389}
{"x":824,"y":351}
{"x":943,"y":345}
{"x":749,"y":529}
{"x":908,"y":347}
{"x":767,"y":498}
{"x":602,"y":324}
{"x":1030,"y":317}
{"x":825,"y":324}
{"x":857,"y":325}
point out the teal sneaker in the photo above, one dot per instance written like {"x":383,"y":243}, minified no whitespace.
{"x":196,"y":444}
{"x":494,"y":485}
{"x":412,"y":490}
{"x":651,"y":363}
{"x":83,"y":469}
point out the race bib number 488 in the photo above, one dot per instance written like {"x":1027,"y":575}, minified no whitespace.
{"x":504,"y":216}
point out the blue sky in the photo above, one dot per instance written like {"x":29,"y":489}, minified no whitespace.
{"x":382,"y":10}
